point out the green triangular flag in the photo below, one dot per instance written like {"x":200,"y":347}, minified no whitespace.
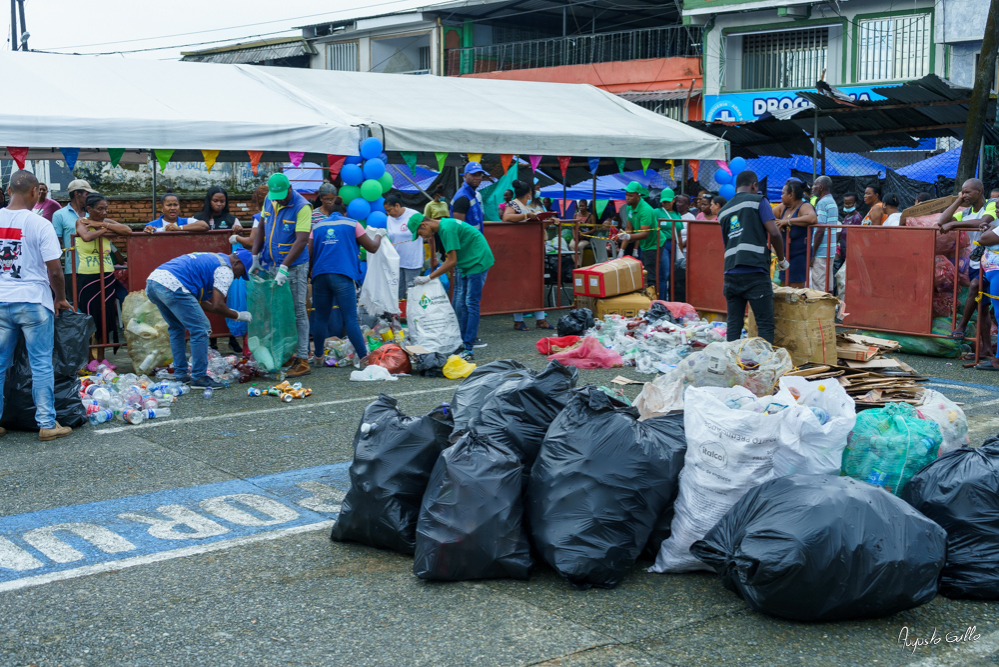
{"x":440,"y":160}
{"x":620,"y":164}
{"x":163,"y":156}
{"x":646,"y":161}
{"x":410,"y":158}
{"x":115,"y":155}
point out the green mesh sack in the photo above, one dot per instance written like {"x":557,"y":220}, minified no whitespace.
{"x":930,"y":347}
{"x":889,"y":445}
{"x":272,"y":334}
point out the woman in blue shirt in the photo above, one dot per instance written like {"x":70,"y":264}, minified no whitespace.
{"x":170,"y":220}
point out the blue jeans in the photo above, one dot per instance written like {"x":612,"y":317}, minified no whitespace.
{"x":665,"y":269}
{"x":334,"y":289}
{"x":37,"y":323}
{"x":182,"y":311}
{"x":470,"y":287}
{"x":459,"y":296}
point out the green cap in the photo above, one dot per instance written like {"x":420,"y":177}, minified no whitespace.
{"x":414,"y":223}
{"x":635,"y":186}
{"x":277,"y":187}
{"x":667,"y":195}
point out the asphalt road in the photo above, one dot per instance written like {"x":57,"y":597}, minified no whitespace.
{"x":296,"y":598}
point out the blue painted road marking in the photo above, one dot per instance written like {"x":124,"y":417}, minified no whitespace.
{"x":45,"y":546}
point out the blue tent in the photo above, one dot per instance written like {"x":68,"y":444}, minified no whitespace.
{"x":927,"y":170}
{"x":307,"y":177}
{"x":778,"y":170}
{"x":610,"y":186}
{"x":424,"y":177}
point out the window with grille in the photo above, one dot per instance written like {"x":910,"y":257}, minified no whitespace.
{"x":424,"y":57}
{"x":342,"y":56}
{"x":786,"y":59}
{"x":894,"y":48}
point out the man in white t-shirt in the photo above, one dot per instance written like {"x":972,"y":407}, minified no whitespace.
{"x":410,"y":252}
{"x":30,"y":271}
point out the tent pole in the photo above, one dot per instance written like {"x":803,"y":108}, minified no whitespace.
{"x":815,"y":144}
{"x":152,"y":162}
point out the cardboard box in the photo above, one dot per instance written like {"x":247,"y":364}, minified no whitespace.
{"x":626,"y":305}
{"x":804,"y":324}
{"x":618,"y":276}
{"x":854,"y":352}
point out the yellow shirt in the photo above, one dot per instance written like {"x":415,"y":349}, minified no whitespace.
{"x":87,"y":262}
{"x":436,"y":210}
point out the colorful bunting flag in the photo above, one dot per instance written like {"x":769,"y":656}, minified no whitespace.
{"x":440,"y":160}
{"x":620,"y":164}
{"x":163,"y":156}
{"x":19,"y":153}
{"x":563,"y":163}
{"x":506,"y":160}
{"x":295,"y":157}
{"x":410,"y":159}
{"x":210,"y":158}
{"x":115,"y":154}
{"x":475,"y":157}
{"x":70,"y":155}
{"x":694,"y":166}
{"x":335,"y":163}
{"x":670,"y":164}
{"x":646,"y":161}
{"x":255,"y":159}
{"x":535,"y":160}
{"x":594,"y":163}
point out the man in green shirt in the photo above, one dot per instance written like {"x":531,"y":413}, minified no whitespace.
{"x":642,"y":223}
{"x":467,"y":250}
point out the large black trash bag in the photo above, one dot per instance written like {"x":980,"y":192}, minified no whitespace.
{"x":575,"y":322}
{"x":822,"y":548}
{"x":429,"y":365}
{"x":599,"y":485}
{"x":960,"y":491}
{"x":484,"y":380}
{"x":517,"y":415}
{"x":393,"y":458}
{"x":70,"y":349}
{"x":471,"y":521}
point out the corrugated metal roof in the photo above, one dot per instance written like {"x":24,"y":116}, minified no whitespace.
{"x":253,"y":52}
{"x":658,"y":95}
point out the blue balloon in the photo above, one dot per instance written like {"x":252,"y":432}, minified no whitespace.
{"x":377,"y":218}
{"x":738,"y":165}
{"x":371,"y":148}
{"x":353,"y":159}
{"x":358,"y":209}
{"x":721,"y":177}
{"x":352,"y":174}
{"x":727,"y":191}
{"x":374,"y":169}
{"x":378,"y":204}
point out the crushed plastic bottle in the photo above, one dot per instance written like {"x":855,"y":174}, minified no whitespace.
{"x":157,"y":413}
{"x":101,"y":416}
{"x":208,"y":392}
{"x":134,"y":417}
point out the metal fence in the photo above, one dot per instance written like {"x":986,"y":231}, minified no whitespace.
{"x":664,"y":42}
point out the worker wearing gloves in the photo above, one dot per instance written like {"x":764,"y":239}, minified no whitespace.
{"x":747,"y":223}
{"x":184,"y":289}
{"x":643,"y":226}
{"x":282,"y":249}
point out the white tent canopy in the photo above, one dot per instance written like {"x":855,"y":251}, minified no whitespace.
{"x":92,"y":102}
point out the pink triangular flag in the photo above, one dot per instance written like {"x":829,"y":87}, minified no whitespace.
{"x":295,"y":157}
{"x":535,"y":161}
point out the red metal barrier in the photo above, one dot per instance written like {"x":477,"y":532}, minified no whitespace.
{"x":705,"y":266}
{"x":516,"y":283}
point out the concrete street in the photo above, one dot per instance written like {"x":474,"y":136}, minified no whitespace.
{"x":296,"y":598}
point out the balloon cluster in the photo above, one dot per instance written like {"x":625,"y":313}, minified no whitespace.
{"x":726,"y":177}
{"x":365,"y":183}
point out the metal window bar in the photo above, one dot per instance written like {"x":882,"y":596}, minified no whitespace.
{"x":342,"y":56}
{"x":894,"y":48}
{"x":664,"y":42}
{"x":786,"y":59}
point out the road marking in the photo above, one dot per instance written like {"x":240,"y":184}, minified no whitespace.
{"x":153,"y":423}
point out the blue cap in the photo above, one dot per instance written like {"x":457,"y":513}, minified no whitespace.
{"x":246,"y":257}
{"x":473,"y":168}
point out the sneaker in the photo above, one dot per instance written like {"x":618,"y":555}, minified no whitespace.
{"x":299,"y":367}
{"x":467,"y":355}
{"x":480,"y":343}
{"x":205,"y":382}
{"x":47,"y":434}
{"x":3,"y":431}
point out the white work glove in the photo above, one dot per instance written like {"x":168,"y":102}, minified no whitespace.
{"x":784,"y":265}
{"x":244,"y":316}
{"x":232,"y":239}
{"x":255,"y":266}
{"x":282,"y":275}
{"x":623,"y":236}
{"x":421,"y":280}
{"x":378,"y":231}
{"x":620,"y":253}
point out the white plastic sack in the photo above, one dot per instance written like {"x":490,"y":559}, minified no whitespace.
{"x":811,"y":447}
{"x":951,"y":418}
{"x":380,"y":291}
{"x":660,"y":397}
{"x":432,"y":322}
{"x":371,"y":374}
{"x":728,"y":453}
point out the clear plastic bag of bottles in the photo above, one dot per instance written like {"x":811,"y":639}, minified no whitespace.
{"x":146,"y":333}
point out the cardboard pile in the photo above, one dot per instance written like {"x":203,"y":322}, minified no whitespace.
{"x":804,"y":325}
{"x":867,"y":353}
{"x":616,"y":287}
{"x":869,"y":388}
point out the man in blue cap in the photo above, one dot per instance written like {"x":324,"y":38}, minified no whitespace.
{"x":184,"y":289}
{"x":467,"y":206}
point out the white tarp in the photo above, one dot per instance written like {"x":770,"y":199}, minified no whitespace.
{"x":94,"y":102}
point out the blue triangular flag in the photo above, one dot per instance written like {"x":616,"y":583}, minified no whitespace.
{"x":71,"y":154}
{"x":594,"y":164}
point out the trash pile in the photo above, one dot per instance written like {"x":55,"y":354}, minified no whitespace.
{"x":129,"y":397}
{"x":284,"y":391}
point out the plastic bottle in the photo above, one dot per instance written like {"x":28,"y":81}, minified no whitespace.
{"x":107,"y":375}
{"x":150,"y":403}
{"x":134,"y":417}
{"x":156,"y":413}
{"x":208,"y":392}
{"x":101,"y":416}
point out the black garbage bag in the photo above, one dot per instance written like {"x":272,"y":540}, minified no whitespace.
{"x":393,"y":458}
{"x":517,"y":415}
{"x":70,"y":349}
{"x":575,"y":322}
{"x":430,"y":364}
{"x":484,"y":380}
{"x":599,"y":486}
{"x":822,"y":548}
{"x":471,"y":520}
{"x":657,"y":312}
{"x":960,"y":491}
